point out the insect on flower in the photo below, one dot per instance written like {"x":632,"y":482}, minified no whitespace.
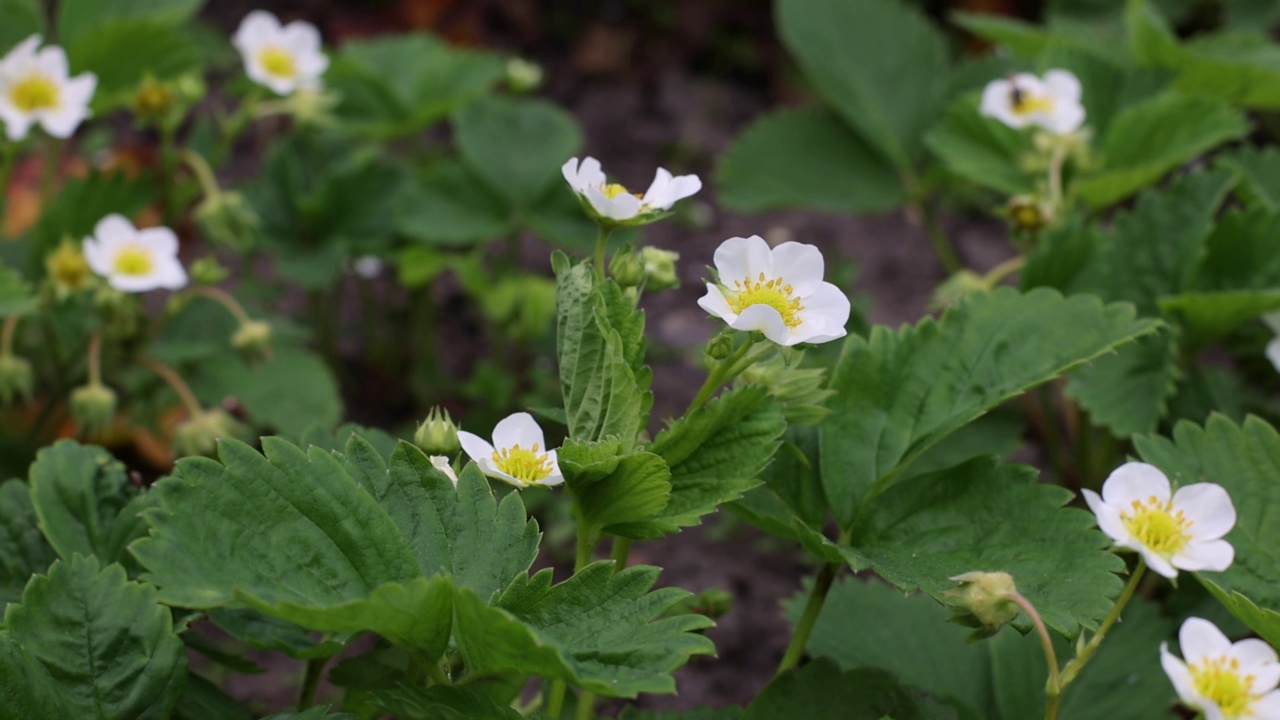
{"x":1022,"y":100}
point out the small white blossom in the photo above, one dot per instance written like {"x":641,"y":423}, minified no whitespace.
{"x":1225,"y":681}
{"x":283,"y":58}
{"x":1171,"y":531}
{"x":1273,"y":348}
{"x":36,"y":88}
{"x":778,"y":291}
{"x":441,"y":463}
{"x":614,"y":202}
{"x":367,"y":267}
{"x":1024,"y":99}
{"x":134,"y":260}
{"x":517,"y":455}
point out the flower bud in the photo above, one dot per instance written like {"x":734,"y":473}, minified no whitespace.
{"x":312,"y":107}
{"x":660,"y":268}
{"x":438,"y":435}
{"x":152,"y":101}
{"x":523,"y":76}
{"x":958,"y":287}
{"x":626,"y":268}
{"x":253,"y":340}
{"x":720,"y":346}
{"x":441,"y":463}
{"x":226,"y":218}
{"x":93,"y":408}
{"x":67,"y":268}
{"x":982,"y":602}
{"x":16,"y":379}
{"x":199,"y":435}
{"x":1028,"y":214}
{"x":208,"y":271}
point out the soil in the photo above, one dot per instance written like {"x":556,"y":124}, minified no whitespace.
{"x":668,"y":88}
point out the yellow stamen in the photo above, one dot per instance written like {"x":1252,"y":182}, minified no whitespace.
{"x":278,"y":62}
{"x":34,"y":92}
{"x":525,"y":465}
{"x":613,"y":190}
{"x":1025,"y":103}
{"x":1156,"y":526}
{"x":1219,"y":681}
{"x":774,"y":293}
{"x":133,"y":260}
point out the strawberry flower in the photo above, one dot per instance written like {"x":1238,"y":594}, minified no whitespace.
{"x":283,"y":58}
{"x":1024,"y":99}
{"x":134,"y":260}
{"x":1172,"y":531}
{"x":613,"y":202}
{"x":36,"y":88}
{"x":1223,"y":680}
{"x":517,"y":455}
{"x":778,"y":291}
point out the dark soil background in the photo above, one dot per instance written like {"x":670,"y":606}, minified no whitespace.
{"x":671,"y":84}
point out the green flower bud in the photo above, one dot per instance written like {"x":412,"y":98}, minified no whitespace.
{"x":720,"y":346}
{"x":1028,"y":214}
{"x":523,"y":75}
{"x":152,"y":101}
{"x":67,"y":268}
{"x":438,"y":435}
{"x":312,"y":107}
{"x":626,"y":268}
{"x":227,"y":219}
{"x":199,"y":435}
{"x":208,"y":271}
{"x":16,"y":380}
{"x":660,"y":268}
{"x":93,"y":408}
{"x":982,"y":602}
{"x":253,"y":340}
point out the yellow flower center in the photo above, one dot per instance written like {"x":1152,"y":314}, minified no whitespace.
{"x":1025,"y":103}
{"x":772,"y":292}
{"x":133,"y":260}
{"x":1156,"y":526}
{"x":613,"y":190}
{"x":35,"y":92}
{"x":1219,"y":681}
{"x":278,"y":62}
{"x":524,"y":465}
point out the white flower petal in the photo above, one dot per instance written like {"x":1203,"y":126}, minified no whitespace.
{"x":16,"y":127}
{"x":683,"y":186}
{"x":826,"y":311}
{"x":1255,"y":654}
{"x":1158,"y":563}
{"x":170,"y":274}
{"x":1065,"y":118}
{"x":441,"y":463}
{"x":52,"y":61}
{"x":62,"y":123}
{"x":162,"y":240}
{"x":79,"y":89}
{"x":96,"y":256}
{"x":739,"y":258}
{"x":1272,"y":320}
{"x":800,"y":265}
{"x":518,"y":429}
{"x":301,"y":37}
{"x":132,"y":283}
{"x":1135,"y":481}
{"x":1265,"y":677}
{"x":714,"y":303}
{"x":1179,"y":674}
{"x":1273,"y":353}
{"x":25,"y":51}
{"x":1200,"y":639}
{"x":476,"y":448}
{"x":995,"y":103}
{"x":1208,"y":507}
{"x":1211,"y":555}
{"x":257,"y":28}
{"x":766,"y":320}
{"x":113,"y":230}
{"x":659,"y":195}
{"x":1267,"y":707}
{"x":1062,"y":85}
{"x":622,"y":206}
{"x":1108,"y":517}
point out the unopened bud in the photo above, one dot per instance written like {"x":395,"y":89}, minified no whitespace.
{"x":441,"y":463}
{"x":208,"y":271}
{"x":253,"y":340}
{"x":523,"y":75}
{"x":626,"y":268}
{"x":438,"y":435}
{"x":982,"y":602}
{"x":660,"y":268}
{"x":199,"y":435}
{"x":16,"y":379}
{"x":720,"y":346}
{"x":226,"y":218}
{"x":312,"y":107}
{"x":67,"y":268}
{"x":152,"y":101}
{"x":93,"y":408}
{"x":1028,"y":214}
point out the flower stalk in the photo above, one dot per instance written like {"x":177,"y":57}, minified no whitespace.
{"x":726,"y":370}
{"x":812,"y":609}
{"x":1073,"y":668}
{"x":175,"y":381}
{"x":602,"y":238}
{"x":1053,"y":688}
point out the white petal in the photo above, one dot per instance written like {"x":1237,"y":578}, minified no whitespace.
{"x":622,"y":206}
{"x":62,"y":122}
{"x":766,"y":320}
{"x":800,"y":265}
{"x":1273,"y":353}
{"x":1179,"y":674}
{"x":1267,"y":707}
{"x":312,"y":65}
{"x":1265,"y":677}
{"x":1135,"y":481}
{"x":659,"y":195}
{"x":170,"y":274}
{"x":113,"y":230}
{"x":441,"y":463}
{"x":1272,"y":319}
{"x":161,"y":240}
{"x":739,"y":258}
{"x":714,"y":303}
{"x":301,"y":37}
{"x":556,"y":477}
{"x":1065,"y":118}
{"x":683,"y":186}
{"x":133,"y":283}
{"x":52,"y":61}
{"x":257,"y":28}
{"x":1211,"y":555}
{"x":826,"y":311}
{"x":590,"y":174}
{"x":79,"y":89}
{"x":570,"y":172}
{"x":18,"y":125}
{"x":25,"y":51}
{"x":1200,"y":639}
{"x":476,"y":447}
{"x":1108,"y":517}
{"x":1158,"y":563}
{"x":1208,"y":507}
{"x":996,"y":103}
{"x":1255,"y":654}
{"x":518,"y":429}
{"x":96,"y":256}
{"x":1062,"y":86}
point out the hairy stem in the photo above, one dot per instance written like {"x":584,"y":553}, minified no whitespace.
{"x":1053,"y":688}
{"x":602,"y":238}
{"x":724,"y":371}
{"x":1077,"y":663}
{"x":223,"y":298}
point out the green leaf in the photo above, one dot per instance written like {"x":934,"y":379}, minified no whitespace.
{"x":1258,"y":172}
{"x":288,"y":526}
{"x":443,"y":702}
{"x":820,"y":691}
{"x":878,"y":63}
{"x":897,"y":394}
{"x":1023,"y":39}
{"x":400,"y":84}
{"x":603,"y":631}
{"x":82,"y":496}
{"x":724,"y":713}
{"x":599,"y":343}
{"x":806,"y":158}
{"x":383,"y":442}
{"x":983,"y":516}
{"x":1063,"y":257}
{"x":269,"y":633}
{"x":288,"y":392}
{"x":23,"y":550}
{"x":1239,"y":254}
{"x":16,"y":297}
{"x":27,"y":690}
{"x":1152,"y":137}
{"x":22,"y":19}
{"x":1208,"y":316}
{"x":448,"y":205}
{"x":202,"y":700}
{"x":614,"y":488}
{"x":717,"y":453}
{"x":517,"y":144}
{"x":1128,"y":391}
{"x":1245,"y":460}
{"x":107,"y":640}
{"x":316,"y":713}
{"x":77,"y":18}
{"x":123,"y":52}
{"x":981,"y":149}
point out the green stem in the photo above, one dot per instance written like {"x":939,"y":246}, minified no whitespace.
{"x":1053,"y":688}
{"x":95,"y":359}
{"x":311,"y":681}
{"x":586,"y":706}
{"x":176,"y":382}
{"x":812,"y":608}
{"x":602,"y":237}
{"x":1073,"y":668}
{"x":204,"y":173}
{"x":7,"y":334}
{"x":223,"y":298}
{"x":555,"y":700}
{"x":621,"y":549}
{"x":1055,"y":177}
{"x":581,"y":559}
{"x":723,"y":372}
{"x":938,"y":238}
